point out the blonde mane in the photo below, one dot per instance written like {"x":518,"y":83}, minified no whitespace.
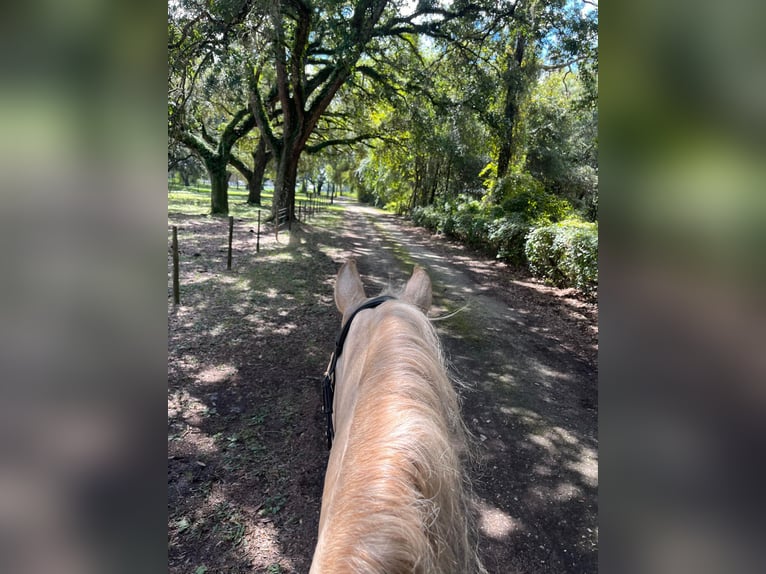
{"x":395,"y":498}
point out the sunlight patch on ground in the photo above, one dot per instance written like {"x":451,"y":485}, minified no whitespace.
{"x":526,"y":416}
{"x":197,"y":442}
{"x":179,"y":403}
{"x":285,"y":329}
{"x":281,"y":257}
{"x":268,"y":328}
{"x":187,"y":362}
{"x":254,"y":318}
{"x":586,"y":466}
{"x":549,"y":373}
{"x":241,"y":308}
{"x":262,"y":541}
{"x":503,"y":378}
{"x":566,"y":491}
{"x":561,"y":492}
{"x":325,"y":299}
{"x":216,"y":373}
{"x":198,"y":279}
{"x":564,"y":435}
{"x":495,"y":523}
{"x":185,"y":315}
{"x":333,"y":253}
{"x":192,"y":411}
{"x":543,"y":441}
{"x":557,"y":441}
{"x":217,"y":331}
{"x":272,"y":293}
{"x":228,"y":279}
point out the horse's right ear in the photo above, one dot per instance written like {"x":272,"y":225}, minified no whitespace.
{"x":349,"y":291}
{"x":418,"y":290}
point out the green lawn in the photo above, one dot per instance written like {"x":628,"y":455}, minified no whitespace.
{"x":195,"y":200}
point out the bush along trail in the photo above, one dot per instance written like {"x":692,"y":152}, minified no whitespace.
{"x":523,"y":224}
{"x":247,"y":348}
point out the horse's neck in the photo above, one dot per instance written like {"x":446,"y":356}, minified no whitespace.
{"x":378,"y":420}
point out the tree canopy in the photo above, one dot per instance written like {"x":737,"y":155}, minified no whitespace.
{"x":414,"y":103}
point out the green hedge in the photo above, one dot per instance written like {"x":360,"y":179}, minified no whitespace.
{"x":525,"y":225}
{"x":428,"y":217}
{"x":565,"y":254}
{"x":508,"y":236}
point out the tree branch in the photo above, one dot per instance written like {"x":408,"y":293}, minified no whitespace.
{"x":298,"y":57}
{"x":312,"y":149}
{"x":283,"y":87}
{"x":240,"y":166}
{"x":259,"y":110}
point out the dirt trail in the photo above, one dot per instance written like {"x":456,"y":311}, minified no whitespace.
{"x":246,"y":456}
{"x":531,"y":402}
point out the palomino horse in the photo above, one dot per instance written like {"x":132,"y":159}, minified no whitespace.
{"x":394,"y":497}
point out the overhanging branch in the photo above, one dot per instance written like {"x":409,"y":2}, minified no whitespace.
{"x":312,"y":149}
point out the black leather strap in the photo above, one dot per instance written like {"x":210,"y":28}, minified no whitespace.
{"x":328,"y":383}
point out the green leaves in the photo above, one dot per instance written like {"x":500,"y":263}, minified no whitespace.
{"x":565,"y":254}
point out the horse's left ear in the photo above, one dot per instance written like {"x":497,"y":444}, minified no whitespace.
{"x":418,"y":289}
{"x":349,"y":290}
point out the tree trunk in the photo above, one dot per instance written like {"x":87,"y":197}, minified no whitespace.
{"x":506,"y":133}
{"x":514,"y":87}
{"x":219,"y":194}
{"x":255,"y":183}
{"x":284,"y":186}
{"x":434,"y":184}
{"x":446,"y":183}
{"x":506,"y":146}
{"x":215,"y":157}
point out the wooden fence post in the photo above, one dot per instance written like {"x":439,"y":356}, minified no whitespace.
{"x":176,"y":287}
{"x":231,"y":233}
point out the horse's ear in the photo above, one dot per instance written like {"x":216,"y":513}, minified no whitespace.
{"x":348,"y":287}
{"x":418,"y":289}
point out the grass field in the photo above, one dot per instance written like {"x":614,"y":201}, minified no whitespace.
{"x":195,"y":200}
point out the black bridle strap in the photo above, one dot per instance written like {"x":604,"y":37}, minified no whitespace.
{"x":328,"y":384}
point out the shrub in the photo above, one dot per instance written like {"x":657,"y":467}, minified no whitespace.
{"x":507,"y":236}
{"x":364,"y":193}
{"x":528,"y":226}
{"x":523,"y":194}
{"x":469,"y":223}
{"x":448,"y":224}
{"x":398,"y":206}
{"x":540,"y":253}
{"x":565,"y":254}
{"x":428,"y":217}
{"x":579,"y":261}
